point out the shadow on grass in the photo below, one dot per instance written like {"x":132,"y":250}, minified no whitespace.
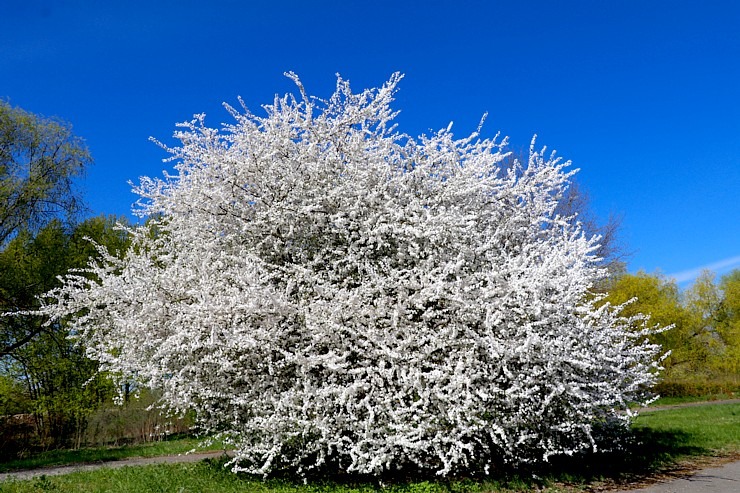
{"x":642,"y":454}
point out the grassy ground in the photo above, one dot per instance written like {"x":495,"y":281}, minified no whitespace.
{"x":90,"y":455}
{"x":711,"y":427}
{"x":669,"y":401}
{"x":660,"y":440}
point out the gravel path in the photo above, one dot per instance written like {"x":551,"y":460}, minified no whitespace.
{"x":131,"y":461}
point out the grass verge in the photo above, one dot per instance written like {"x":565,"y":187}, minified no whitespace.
{"x":672,"y":400}
{"x":102,"y":454}
{"x":661,"y":440}
{"x":706,"y":428}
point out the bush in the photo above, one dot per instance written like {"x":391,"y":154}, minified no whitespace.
{"x":17,"y":435}
{"x":698,"y":387}
{"x":328,"y":293}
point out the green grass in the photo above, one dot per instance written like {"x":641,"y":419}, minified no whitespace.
{"x":711,"y":427}
{"x":209,"y":476}
{"x":179,"y":478}
{"x":88,"y":455}
{"x":660,"y":439}
{"x":668,"y":401}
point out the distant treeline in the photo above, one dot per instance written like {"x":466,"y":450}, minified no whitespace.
{"x":704,"y":342}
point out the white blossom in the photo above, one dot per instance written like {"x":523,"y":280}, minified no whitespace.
{"x":323,"y":290}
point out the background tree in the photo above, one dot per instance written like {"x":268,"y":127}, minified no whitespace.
{"x":661,"y":300}
{"x":576,"y":203}
{"x":40,"y":159}
{"x":326,"y":292}
{"x":728,"y":326}
{"x":705,"y":339}
{"x":53,"y":378}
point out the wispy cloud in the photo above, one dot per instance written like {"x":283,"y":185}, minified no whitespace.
{"x":719,"y":266}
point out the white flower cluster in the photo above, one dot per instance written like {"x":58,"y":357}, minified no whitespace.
{"x":326,"y":292}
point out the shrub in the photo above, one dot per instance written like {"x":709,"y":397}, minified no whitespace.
{"x":327,"y":292}
{"x":699,"y":387}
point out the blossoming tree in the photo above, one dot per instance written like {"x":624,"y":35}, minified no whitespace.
{"x":326,"y":292}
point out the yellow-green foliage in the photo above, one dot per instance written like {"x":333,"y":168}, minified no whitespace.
{"x":43,"y":373}
{"x":728,"y":326}
{"x":705,"y":338}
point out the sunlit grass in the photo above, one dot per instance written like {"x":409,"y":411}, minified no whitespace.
{"x":669,"y":401}
{"x":101,"y":454}
{"x":210,"y":476}
{"x":711,"y":427}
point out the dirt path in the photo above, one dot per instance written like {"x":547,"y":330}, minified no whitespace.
{"x":131,"y":461}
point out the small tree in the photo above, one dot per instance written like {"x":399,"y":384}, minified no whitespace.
{"x":327,"y":292}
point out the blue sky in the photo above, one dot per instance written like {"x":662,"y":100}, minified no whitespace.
{"x":642,"y":96}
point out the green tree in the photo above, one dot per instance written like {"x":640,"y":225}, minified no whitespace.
{"x":60,"y":385}
{"x":28,"y":265}
{"x":704,"y":300}
{"x":40,"y":158}
{"x":661,"y":299}
{"x":728,"y":322}
{"x":13,"y":397}
{"x":705,"y":339}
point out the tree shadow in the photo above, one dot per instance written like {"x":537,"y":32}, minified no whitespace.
{"x":638,"y":455}
{"x":635,"y":456}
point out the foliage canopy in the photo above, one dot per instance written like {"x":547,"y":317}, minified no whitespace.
{"x":39,"y":161}
{"x":704,"y":342}
{"x":42,"y":372}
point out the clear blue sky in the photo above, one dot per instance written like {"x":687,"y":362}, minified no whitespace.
{"x":643,"y":96}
